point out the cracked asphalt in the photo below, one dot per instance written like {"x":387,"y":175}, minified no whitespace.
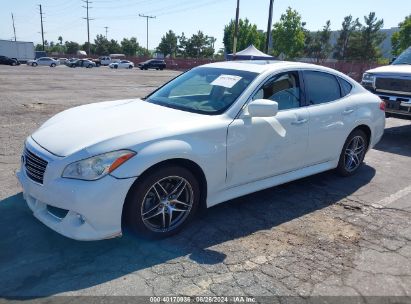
{"x":322,"y":235}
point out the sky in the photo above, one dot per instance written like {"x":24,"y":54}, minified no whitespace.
{"x":64,"y":17}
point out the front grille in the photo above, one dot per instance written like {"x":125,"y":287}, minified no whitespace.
{"x":393,"y":85}
{"x":35,"y":166}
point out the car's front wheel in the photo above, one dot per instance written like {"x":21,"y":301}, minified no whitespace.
{"x":353,"y":153}
{"x":53,"y":65}
{"x":162,"y":202}
{"x":34,"y":64}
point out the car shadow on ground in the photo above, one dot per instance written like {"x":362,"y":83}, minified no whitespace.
{"x":36,"y":262}
{"x":396,"y":140}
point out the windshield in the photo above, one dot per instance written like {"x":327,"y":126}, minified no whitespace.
{"x":404,"y":58}
{"x":203,"y":90}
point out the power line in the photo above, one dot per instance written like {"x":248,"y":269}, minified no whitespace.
{"x":14,"y":28}
{"x":147,"y":17}
{"x":88,"y":24}
{"x":42,"y":30}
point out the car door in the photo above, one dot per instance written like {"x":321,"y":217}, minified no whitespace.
{"x":330,"y":112}
{"x":259,"y":148}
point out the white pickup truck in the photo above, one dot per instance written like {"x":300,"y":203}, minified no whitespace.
{"x":106,"y":60}
{"x":392,"y":83}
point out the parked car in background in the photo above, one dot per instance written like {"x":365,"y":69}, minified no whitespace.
{"x":82,"y":63}
{"x":96,"y":61}
{"x":106,"y":60}
{"x":157,"y":64}
{"x":62,"y":60}
{"x":214,"y":133}
{"x":392,"y":83}
{"x":123,"y":64}
{"x":8,"y":61}
{"x":47,"y":61}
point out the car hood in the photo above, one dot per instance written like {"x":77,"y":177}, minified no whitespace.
{"x":85,"y":126}
{"x":394,"y":69}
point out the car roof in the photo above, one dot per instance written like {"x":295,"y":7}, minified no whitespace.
{"x":260,"y":66}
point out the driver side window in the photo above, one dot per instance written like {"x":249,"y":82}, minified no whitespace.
{"x":284,"y":89}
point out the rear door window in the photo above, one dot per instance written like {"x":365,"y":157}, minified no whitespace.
{"x":321,"y":87}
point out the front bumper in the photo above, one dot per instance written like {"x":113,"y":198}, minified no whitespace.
{"x":94,"y":207}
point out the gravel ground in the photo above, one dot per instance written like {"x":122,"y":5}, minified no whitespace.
{"x":322,"y":235}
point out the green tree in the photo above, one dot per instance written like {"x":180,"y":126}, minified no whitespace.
{"x":365,"y":43}
{"x":71,"y":47}
{"x":247,"y":34}
{"x":288,"y":35}
{"x":182,"y":45}
{"x":60,"y":39}
{"x":199,"y":46}
{"x":349,"y":26}
{"x":84,"y":47}
{"x":114,"y":47}
{"x":319,"y":46}
{"x":401,"y":40}
{"x":130,"y":46}
{"x":101,"y":45}
{"x":168,"y":44}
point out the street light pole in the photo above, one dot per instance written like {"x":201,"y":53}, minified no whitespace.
{"x":237,"y":13}
{"x":269,"y":39}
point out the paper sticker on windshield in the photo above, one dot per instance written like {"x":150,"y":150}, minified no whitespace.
{"x":227,"y":81}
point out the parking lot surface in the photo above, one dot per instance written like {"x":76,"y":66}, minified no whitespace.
{"x":321,"y":235}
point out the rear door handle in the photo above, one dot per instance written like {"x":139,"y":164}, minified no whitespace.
{"x":348,"y":111}
{"x":299,"y":121}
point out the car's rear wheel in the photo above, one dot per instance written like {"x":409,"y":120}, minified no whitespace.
{"x":90,"y":66}
{"x":34,"y":64}
{"x":13,"y":63}
{"x":130,"y":66}
{"x":353,"y":153}
{"x":162,"y":202}
{"x":116,"y":66}
{"x":53,"y":65}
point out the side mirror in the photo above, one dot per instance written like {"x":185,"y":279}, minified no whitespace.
{"x":262,"y":108}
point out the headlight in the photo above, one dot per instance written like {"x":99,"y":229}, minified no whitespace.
{"x":367,"y":77}
{"x":96,"y":167}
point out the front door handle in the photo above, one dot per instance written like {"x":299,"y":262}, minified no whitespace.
{"x":348,"y":111}
{"x":299,"y":121}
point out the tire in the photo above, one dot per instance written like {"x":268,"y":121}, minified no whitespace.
{"x":34,"y":64}
{"x":353,"y":153}
{"x":116,"y":66}
{"x":13,"y":64}
{"x":161,"y":69}
{"x":141,"y":69}
{"x":89,"y":66}
{"x":53,"y":65}
{"x":130,"y":67}
{"x":146,"y":215}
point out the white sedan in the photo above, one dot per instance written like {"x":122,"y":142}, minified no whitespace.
{"x":123,"y":64}
{"x":47,"y":61}
{"x":212,"y":134}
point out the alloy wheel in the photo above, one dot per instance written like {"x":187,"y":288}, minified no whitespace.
{"x":354,"y":153}
{"x":167,"y":204}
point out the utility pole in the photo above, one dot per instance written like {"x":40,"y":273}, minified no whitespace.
{"x":237,"y":14}
{"x":42,"y":30}
{"x":14,"y":28}
{"x":269,"y":39}
{"x":147,"y":17}
{"x":106,"y":27}
{"x":87,"y":2}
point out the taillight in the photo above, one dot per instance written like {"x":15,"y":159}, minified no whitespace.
{"x":382,"y":105}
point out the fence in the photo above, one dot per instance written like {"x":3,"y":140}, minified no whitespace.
{"x":354,"y":69}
